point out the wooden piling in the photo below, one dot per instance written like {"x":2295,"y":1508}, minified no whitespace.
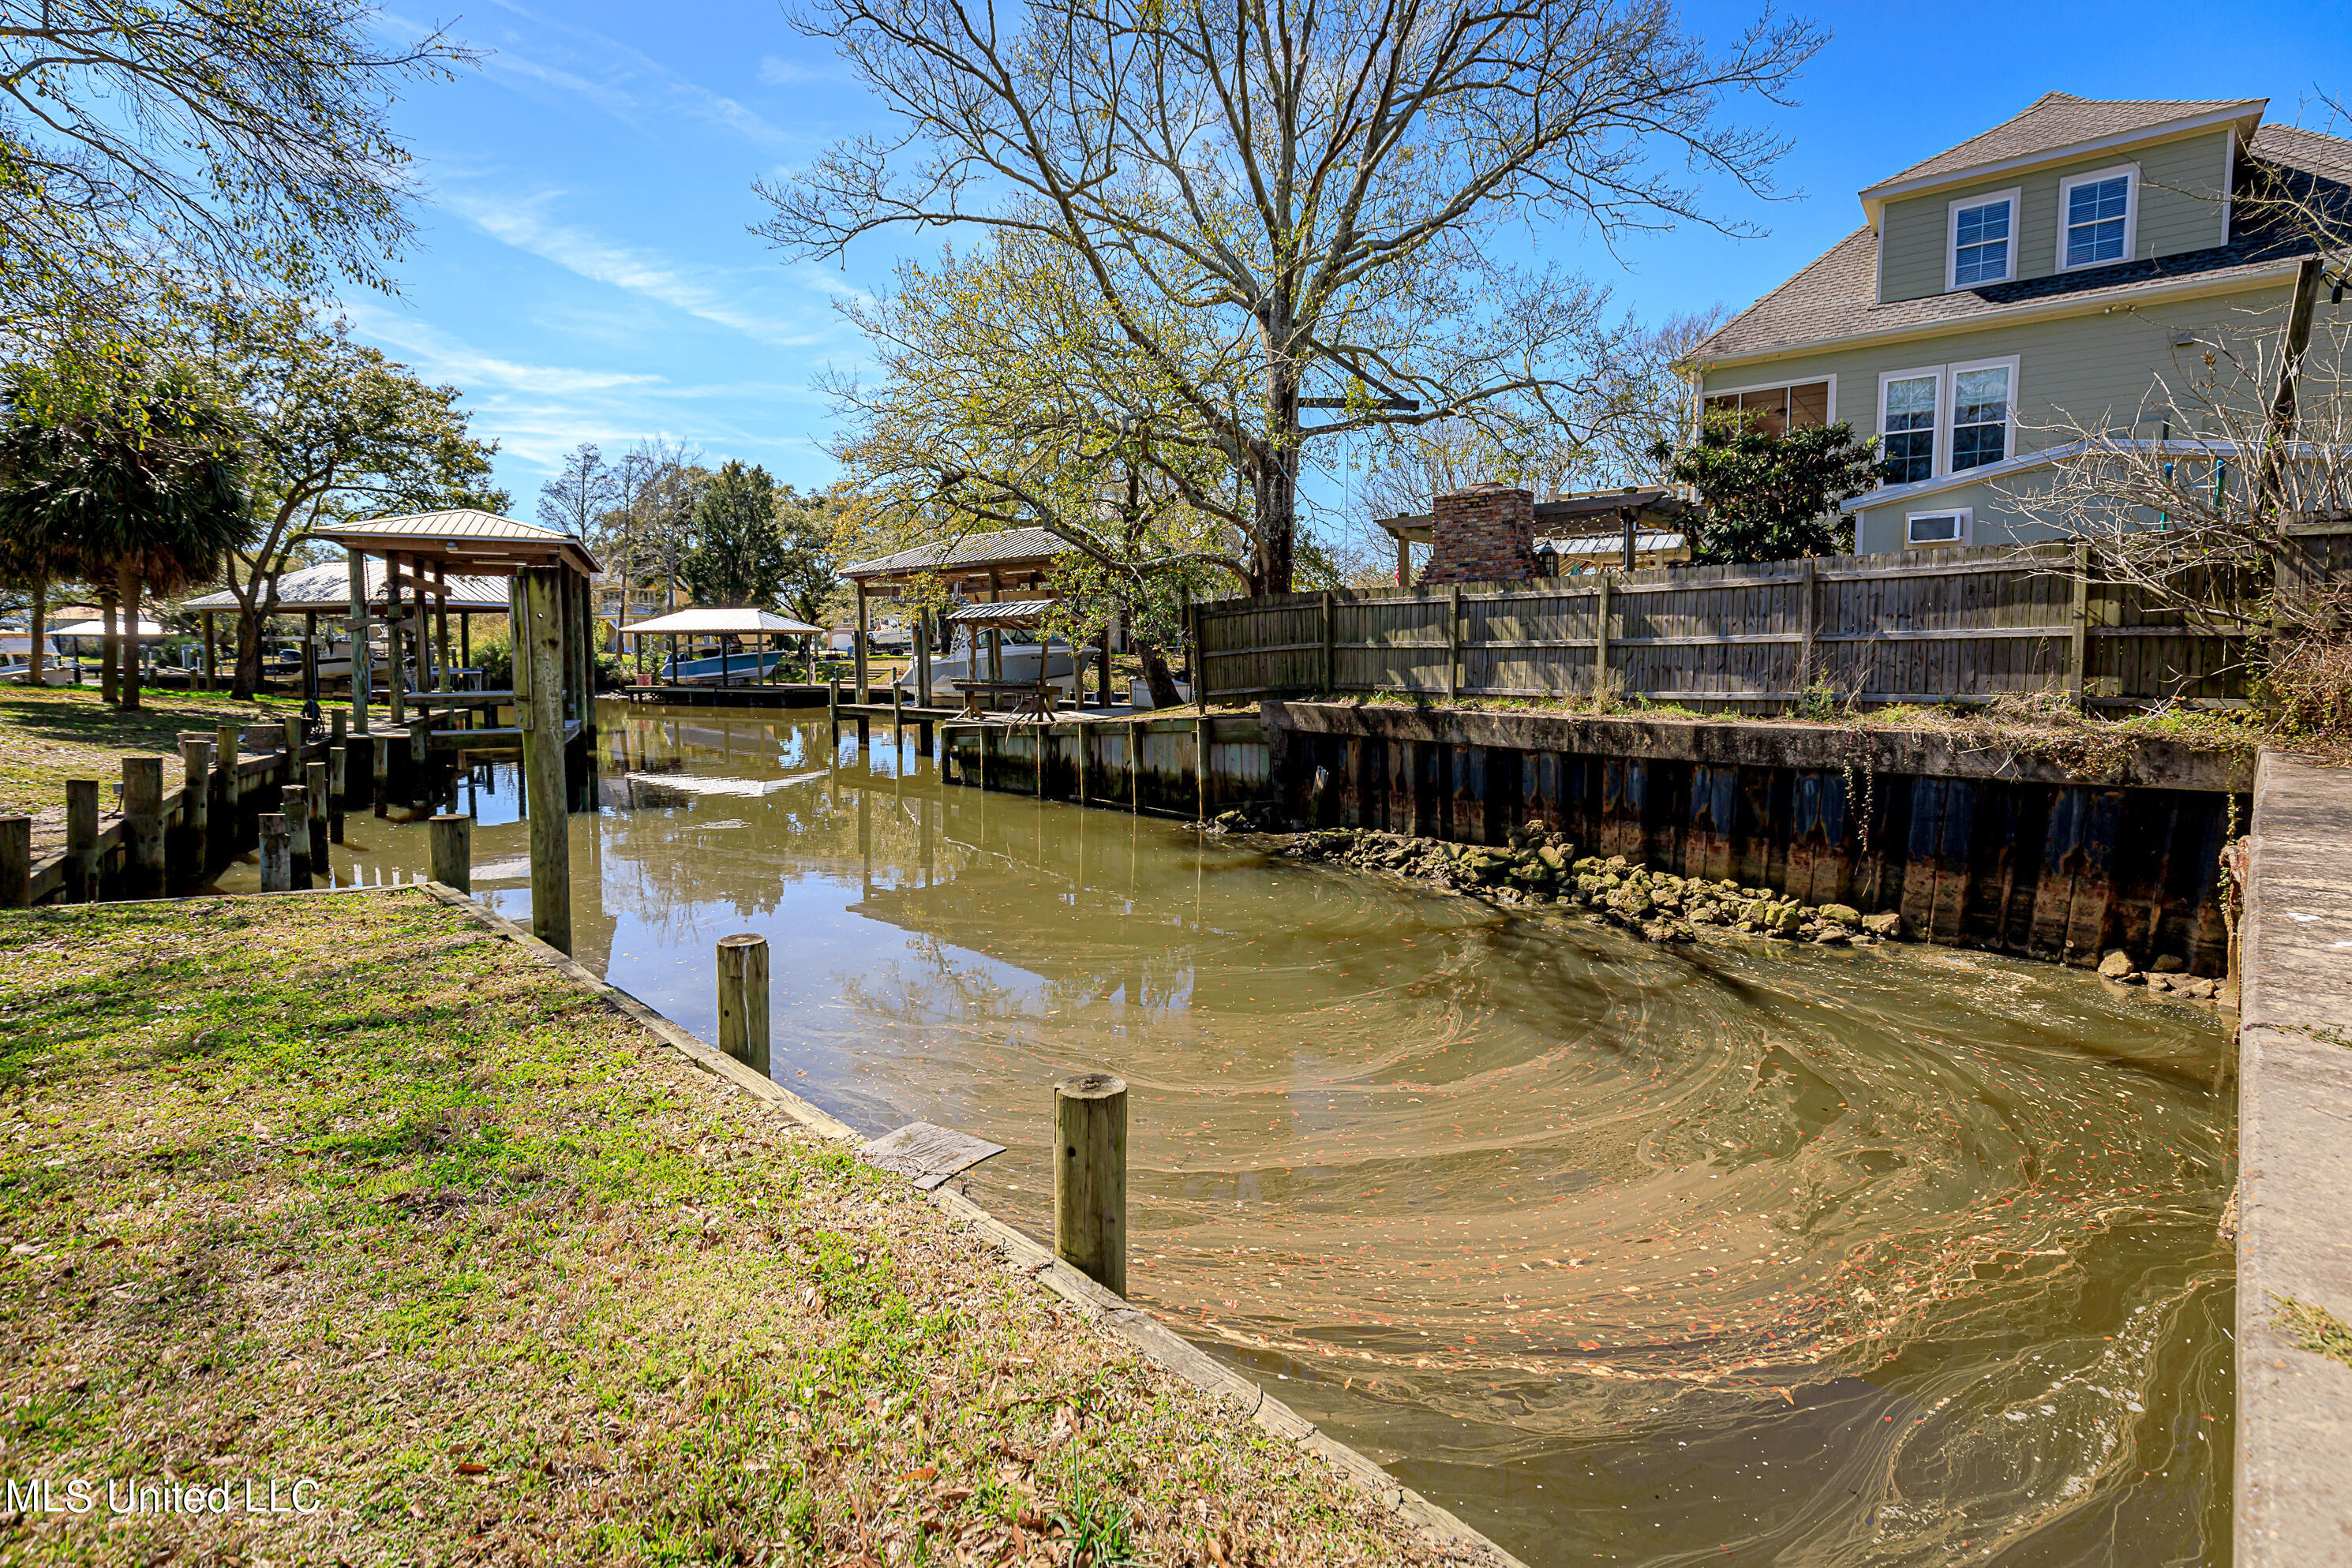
{"x":542,"y":716}
{"x":453,"y":850}
{"x":382,"y":772}
{"x":142,"y":827}
{"x":832,"y":711}
{"x":276,"y":855}
{"x":290,"y":756}
{"x":294,"y":803}
{"x":338,"y":779}
{"x":15,"y":862}
{"x":898,"y":718}
{"x":1090,"y":1177}
{"x":228,"y":794}
{"x":195,"y":811}
{"x":314,"y":788}
{"x":82,"y":840}
{"x":743,"y":999}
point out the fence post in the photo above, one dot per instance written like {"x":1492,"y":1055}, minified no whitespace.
{"x":82,"y":869}
{"x":2078,"y":632}
{"x":1200,"y":654}
{"x":1805,"y":624}
{"x":339,"y":785}
{"x":1454,"y":642}
{"x":1600,"y":643}
{"x":15,"y":862}
{"x":743,"y":999}
{"x":195,"y":809}
{"x":1090,"y":1177}
{"x":294,"y":802}
{"x":314,"y":787}
{"x":142,"y":827}
{"x":1331,"y":654}
{"x":276,"y":855}
{"x":452,"y":835}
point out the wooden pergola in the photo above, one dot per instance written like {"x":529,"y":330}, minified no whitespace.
{"x":552,"y":634}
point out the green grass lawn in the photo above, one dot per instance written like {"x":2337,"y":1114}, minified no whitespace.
{"x":51,"y":734}
{"x":348,"y":1191}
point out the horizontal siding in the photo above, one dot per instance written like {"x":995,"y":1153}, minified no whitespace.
{"x":2180,"y":210}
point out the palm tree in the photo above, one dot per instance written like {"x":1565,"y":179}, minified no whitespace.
{"x":141,"y":487}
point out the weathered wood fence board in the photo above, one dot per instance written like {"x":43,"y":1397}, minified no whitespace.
{"x":1917,"y":626}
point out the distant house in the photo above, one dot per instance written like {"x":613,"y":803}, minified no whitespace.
{"x":2051,"y":269}
{"x":640,"y":599}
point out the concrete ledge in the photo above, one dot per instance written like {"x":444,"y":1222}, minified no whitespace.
{"x":2294,"y":1483}
{"x":2155,"y":763}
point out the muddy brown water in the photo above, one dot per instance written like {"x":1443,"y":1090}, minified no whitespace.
{"x":1739,"y":1254}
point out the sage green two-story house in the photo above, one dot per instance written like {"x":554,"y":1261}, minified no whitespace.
{"x":2041,"y":277}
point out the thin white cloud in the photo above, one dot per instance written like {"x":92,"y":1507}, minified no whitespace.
{"x":777,"y":72}
{"x":443,"y":357}
{"x":628,"y":82}
{"x":713,"y":295}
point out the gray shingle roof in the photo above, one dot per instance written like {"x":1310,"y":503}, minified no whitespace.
{"x":2058,"y":120}
{"x":1836,"y":296}
{"x":972,"y":550}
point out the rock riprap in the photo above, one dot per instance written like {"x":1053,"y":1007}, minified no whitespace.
{"x":1541,"y":865}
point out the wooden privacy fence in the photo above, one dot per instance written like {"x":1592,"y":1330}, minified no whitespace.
{"x":1919,"y":626}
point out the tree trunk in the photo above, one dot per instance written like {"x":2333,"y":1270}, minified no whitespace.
{"x":127,"y":585}
{"x":1274,"y":467}
{"x":247,"y":681}
{"x":108,"y":643}
{"x":1157,"y":675}
{"x":40,"y":626}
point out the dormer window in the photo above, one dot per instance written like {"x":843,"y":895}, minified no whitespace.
{"x":1983,"y":240}
{"x":2097,"y":214}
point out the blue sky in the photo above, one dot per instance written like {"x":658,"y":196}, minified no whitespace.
{"x":585,"y":270}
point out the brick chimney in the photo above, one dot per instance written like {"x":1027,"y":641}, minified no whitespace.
{"x":1483,"y":534}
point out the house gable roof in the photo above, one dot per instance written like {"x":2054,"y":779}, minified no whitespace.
{"x":1834,"y":300}
{"x":2058,"y":125}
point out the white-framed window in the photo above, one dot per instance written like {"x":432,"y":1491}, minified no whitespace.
{"x":1937,"y":420}
{"x":2098,"y":218}
{"x":1983,"y":240}
{"x":1984,"y":408}
{"x":1922,"y":530}
{"x":1909,"y":402}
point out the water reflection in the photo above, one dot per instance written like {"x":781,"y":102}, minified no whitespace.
{"x":1626,"y":1254}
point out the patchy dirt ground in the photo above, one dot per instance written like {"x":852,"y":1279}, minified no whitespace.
{"x":347,"y":1191}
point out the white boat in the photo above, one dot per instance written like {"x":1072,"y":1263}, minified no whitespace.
{"x":1025,"y":659}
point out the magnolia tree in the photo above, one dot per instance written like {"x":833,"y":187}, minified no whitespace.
{"x":1298,"y":221}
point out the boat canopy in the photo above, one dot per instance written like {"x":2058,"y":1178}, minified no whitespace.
{"x":696,"y":621}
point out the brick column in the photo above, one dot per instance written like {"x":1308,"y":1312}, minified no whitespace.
{"x":1483,"y":534}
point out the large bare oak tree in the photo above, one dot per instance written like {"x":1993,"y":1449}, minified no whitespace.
{"x":1328,"y":183}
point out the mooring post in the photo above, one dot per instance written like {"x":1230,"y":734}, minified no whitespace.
{"x":832,"y":711}
{"x":898,"y":718}
{"x":314,"y":789}
{"x":382,"y":772}
{"x":196,"y":810}
{"x":276,"y":855}
{"x":15,"y":862}
{"x":1086,"y":744}
{"x":1090,"y":1177}
{"x":228,"y":819}
{"x":289,"y":759}
{"x":453,"y":850}
{"x":294,"y":801}
{"x":82,"y":840}
{"x":338,"y":783}
{"x":142,"y":827}
{"x":743,"y":999}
